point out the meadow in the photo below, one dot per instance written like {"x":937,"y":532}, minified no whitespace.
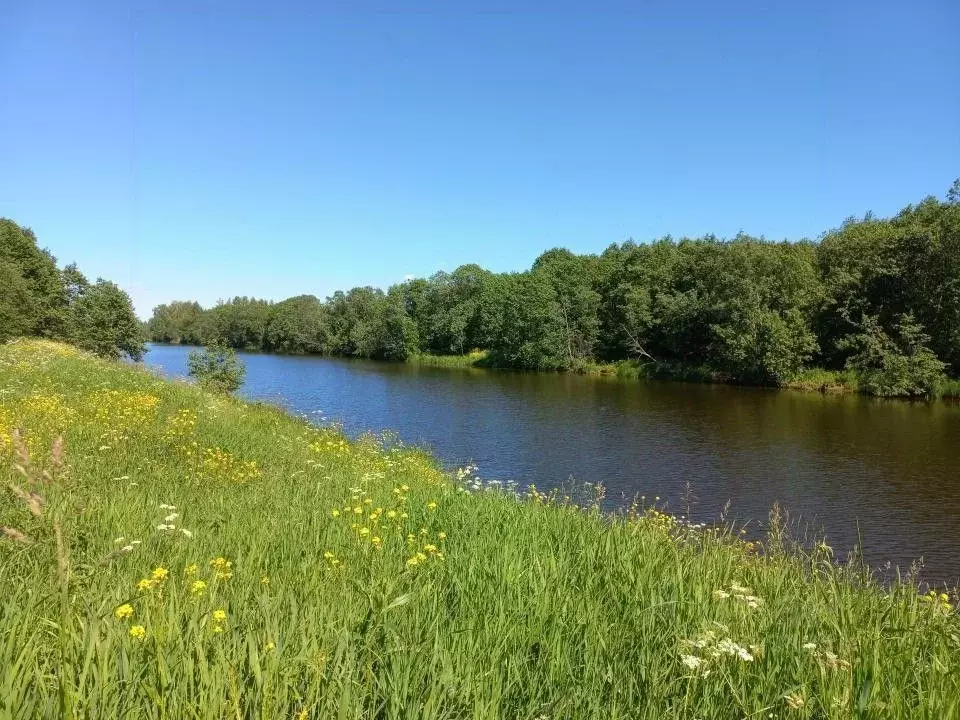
{"x":170,"y":553}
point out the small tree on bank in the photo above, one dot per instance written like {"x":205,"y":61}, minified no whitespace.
{"x":216,"y":368}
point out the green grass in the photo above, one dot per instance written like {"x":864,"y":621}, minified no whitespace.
{"x":516,"y":607}
{"x":475,"y":358}
{"x":825,"y":381}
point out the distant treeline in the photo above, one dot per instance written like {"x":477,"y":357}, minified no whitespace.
{"x":876,"y":298}
{"x":37,"y":298}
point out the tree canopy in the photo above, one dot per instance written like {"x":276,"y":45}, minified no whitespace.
{"x":880,"y":297}
{"x":38,"y":298}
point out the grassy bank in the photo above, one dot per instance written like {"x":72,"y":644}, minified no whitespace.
{"x":190,"y":556}
{"x":476,"y":358}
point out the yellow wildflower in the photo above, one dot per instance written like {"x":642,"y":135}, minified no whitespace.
{"x":198,"y":587}
{"x":219,"y":615}
{"x":191,"y":569}
{"x":138,"y":632}
{"x":269,"y":647}
{"x":391,"y":514}
{"x":145,"y":584}
{"x":159,"y":574}
{"x":265,"y":580}
{"x":335,"y":512}
{"x":441,"y":535}
{"x":124,"y":611}
{"x":431,"y":505}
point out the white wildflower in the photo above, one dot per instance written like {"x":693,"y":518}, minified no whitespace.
{"x":171,"y":517}
{"x":186,"y":532}
{"x":722,"y":594}
{"x":810,"y":646}
{"x":126,"y":548}
{"x":164,"y":506}
{"x":691,"y":661}
{"x":119,"y":540}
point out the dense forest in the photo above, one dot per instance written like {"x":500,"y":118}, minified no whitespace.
{"x":37,"y":298}
{"x":876,"y":299}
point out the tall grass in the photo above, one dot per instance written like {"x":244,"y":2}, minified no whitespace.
{"x":301,"y":574}
{"x":475,"y":358}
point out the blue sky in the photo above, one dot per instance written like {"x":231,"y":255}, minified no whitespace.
{"x":207,"y":149}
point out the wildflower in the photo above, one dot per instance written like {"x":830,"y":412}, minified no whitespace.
{"x":164,"y":528}
{"x":364,"y":531}
{"x":191,"y":569}
{"x":198,"y":587}
{"x":186,"y":533}
{"x":810,"y":646}
{"x":123,"y":612}
{"x":220,"y":615}
{"x":269,"y":647}
{"x":358,"y":510}
{"x":335,"y":512}
{"x":375,"y":541}
{"x":118,"y":540}
{"x":391,"y":514}
{"x":171,"y":517}
{"x":265,"y":580}
{"x":138,"y":632}
{"x":431,"y":506}
{"x":164,"y":506}
{"x":136,"y":542}
{"x":328,"y":555}
{"x":430,"y":548}
{"x":405,"y":488}
{"x":722,"y":594}
{"x":441,"y":535}
{"x":126,"y":548}
{"x":159,"y":574}
{"x":691,"y":661}
{"x":413,"y":561}
{"x":145,"y":584}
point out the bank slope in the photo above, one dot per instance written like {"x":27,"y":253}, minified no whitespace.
{"x":218,"y":558}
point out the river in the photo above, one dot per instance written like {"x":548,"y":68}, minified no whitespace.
{"x":881,"y":473}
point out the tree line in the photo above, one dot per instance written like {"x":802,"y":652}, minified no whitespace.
{"x":876,"y":298}
{"x":38,"y":298}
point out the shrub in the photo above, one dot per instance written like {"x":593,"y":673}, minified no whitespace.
{"x":216,"y":368}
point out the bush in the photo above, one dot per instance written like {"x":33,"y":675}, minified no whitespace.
{"x":898,"y":366}
{"x":216,"y":368}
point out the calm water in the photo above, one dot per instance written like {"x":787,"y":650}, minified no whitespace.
{"x":846,"y":465}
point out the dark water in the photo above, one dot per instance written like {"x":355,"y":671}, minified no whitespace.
{"x":886,"y":470}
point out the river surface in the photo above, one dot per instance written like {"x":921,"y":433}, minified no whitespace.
{"x":881,"y":473}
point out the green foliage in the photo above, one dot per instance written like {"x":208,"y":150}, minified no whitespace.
{"x":37,"y":298}
{"x":901,"y":365}
{"x":179,"y":322}
{"x":18,"y":310}
{"x":216,"y":368}
{"x":102,"y":321}
{"x":744,"y":310}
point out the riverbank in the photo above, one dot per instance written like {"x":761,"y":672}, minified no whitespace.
{"x":818,"y":380}
{"x":224,"y":558}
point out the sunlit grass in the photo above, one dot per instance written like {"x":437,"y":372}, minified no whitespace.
{"x":185,"y":555}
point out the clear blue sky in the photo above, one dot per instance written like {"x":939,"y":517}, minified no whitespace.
{"x":207,"y":149}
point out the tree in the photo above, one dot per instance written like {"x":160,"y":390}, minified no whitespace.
{"x":18,"y":310}
{"x":102,"y":321}
{"x":216,"y":368}
{"x":297,"y":325}
{"x":899,"y":365}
